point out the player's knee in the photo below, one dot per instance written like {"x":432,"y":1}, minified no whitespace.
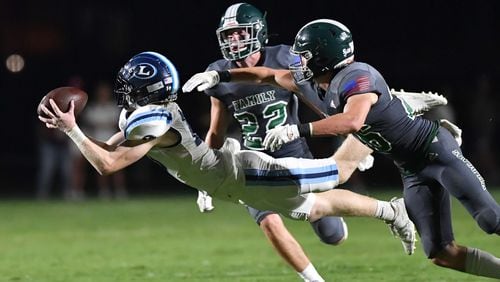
{"x":331,"y":230}
{"x":440,"y":262}
{"x":451,"y":256}
{"x":271,"y":222}
{"x":489,"y":220}
{"x":258,"y":215}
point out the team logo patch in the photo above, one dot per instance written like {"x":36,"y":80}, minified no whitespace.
{"x":144,"y":71}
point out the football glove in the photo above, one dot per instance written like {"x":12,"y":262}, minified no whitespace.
{"x":280,"y":135}
{"x":204,"y":202}
{"x":202,"y":81}
{"x":454,"y":129}
{"x":366,"y":163}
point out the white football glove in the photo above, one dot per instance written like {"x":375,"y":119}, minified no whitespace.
{"x":204,"y":202}
{"x":366,"y":163}
{"x":201,"y":81}
{"x":453,"y":128}
{"x":420,"y":102}
{"x":280,"y":135}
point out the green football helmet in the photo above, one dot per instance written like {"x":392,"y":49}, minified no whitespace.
{"x":242,"y":31}
{"x":322,"y":45}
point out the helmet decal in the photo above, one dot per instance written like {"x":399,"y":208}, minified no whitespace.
{"x":230,"y":15}
{"x":144,"y":71}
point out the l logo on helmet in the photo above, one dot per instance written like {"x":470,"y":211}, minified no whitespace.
{"x":144,"y":71}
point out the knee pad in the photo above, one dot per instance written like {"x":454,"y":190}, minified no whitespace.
{"x":488,"y":220}
{"x":258,"y":215}
{"x":331,"y":230}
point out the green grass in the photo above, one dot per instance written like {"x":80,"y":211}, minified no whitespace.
{"x":167,"y":239}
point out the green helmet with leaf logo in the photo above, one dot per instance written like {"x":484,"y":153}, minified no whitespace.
{"x":250,"y":26}
{"x":323,"y":45}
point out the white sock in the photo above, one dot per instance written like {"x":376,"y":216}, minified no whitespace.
{"x":309,"y":274}
{"x":384,"y":211}
{"x":481,"y":263}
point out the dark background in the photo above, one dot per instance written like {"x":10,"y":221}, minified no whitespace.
{"x":445,"y":46}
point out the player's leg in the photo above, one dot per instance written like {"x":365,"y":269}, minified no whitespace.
{"x":465,"y":183}
{"x":265,"y":174}
{"x":340,"y":202}
{"x":348,"y":156}
{"x":263,"y":170}
{"x":331,"y":230}
{"x":285,"y":244}
{"x":272,"y":184}
{"x":428,"y":205}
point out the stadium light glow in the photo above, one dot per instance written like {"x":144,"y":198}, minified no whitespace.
{"x":14,"y":63}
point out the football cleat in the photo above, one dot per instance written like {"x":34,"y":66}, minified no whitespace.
{"x":402,"y":227}
{"x":204,"y":202}
{"x":420,"y":102}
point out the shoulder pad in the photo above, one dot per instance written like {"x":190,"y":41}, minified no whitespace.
{"x":122,"y":122}
{"x":148,"y":122}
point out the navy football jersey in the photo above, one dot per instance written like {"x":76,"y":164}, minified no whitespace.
{"x":258,"y":108}
{"x":389,"y":127}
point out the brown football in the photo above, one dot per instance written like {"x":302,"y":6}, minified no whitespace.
{"x":63,"y":96}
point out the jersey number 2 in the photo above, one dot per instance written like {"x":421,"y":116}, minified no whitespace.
{"x":275,"y":114}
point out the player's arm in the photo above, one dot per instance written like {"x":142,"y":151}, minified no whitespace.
{"x":264,"y":75}
{"x":256,"y":75}
{"x":349,"y":121}
{"x":219,"y":122}
{"x":112,"y":142}
{"x":107,"y":158}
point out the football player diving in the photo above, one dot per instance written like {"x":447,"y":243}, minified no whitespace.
{"x":152,"y":124}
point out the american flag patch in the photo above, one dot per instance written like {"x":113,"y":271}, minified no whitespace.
{"x":361,"y":84}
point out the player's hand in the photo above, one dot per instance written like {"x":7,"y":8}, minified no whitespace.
{"x":204,"y":202}
{"x":57,"y":119}
{"x":366,"y":163}
{"x":280,"y":135}
{"x":201,"y":81}
{"x":453,"y":128}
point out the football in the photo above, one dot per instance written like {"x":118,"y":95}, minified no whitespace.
{"x":63,"y":96}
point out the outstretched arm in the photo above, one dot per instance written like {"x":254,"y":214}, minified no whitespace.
{"x":258,"y":75}
{"x":106,"y":158}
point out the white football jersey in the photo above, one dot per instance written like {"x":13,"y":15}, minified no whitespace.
{"x":190,"y":161}
{"x":282,"y":185}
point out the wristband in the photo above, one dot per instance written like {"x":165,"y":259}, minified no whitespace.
{"x":224,"y":75}
{"x":305,"y":129}
{"x":76,"y":135}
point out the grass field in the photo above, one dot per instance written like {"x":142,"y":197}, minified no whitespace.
{"x":167,"y":239}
